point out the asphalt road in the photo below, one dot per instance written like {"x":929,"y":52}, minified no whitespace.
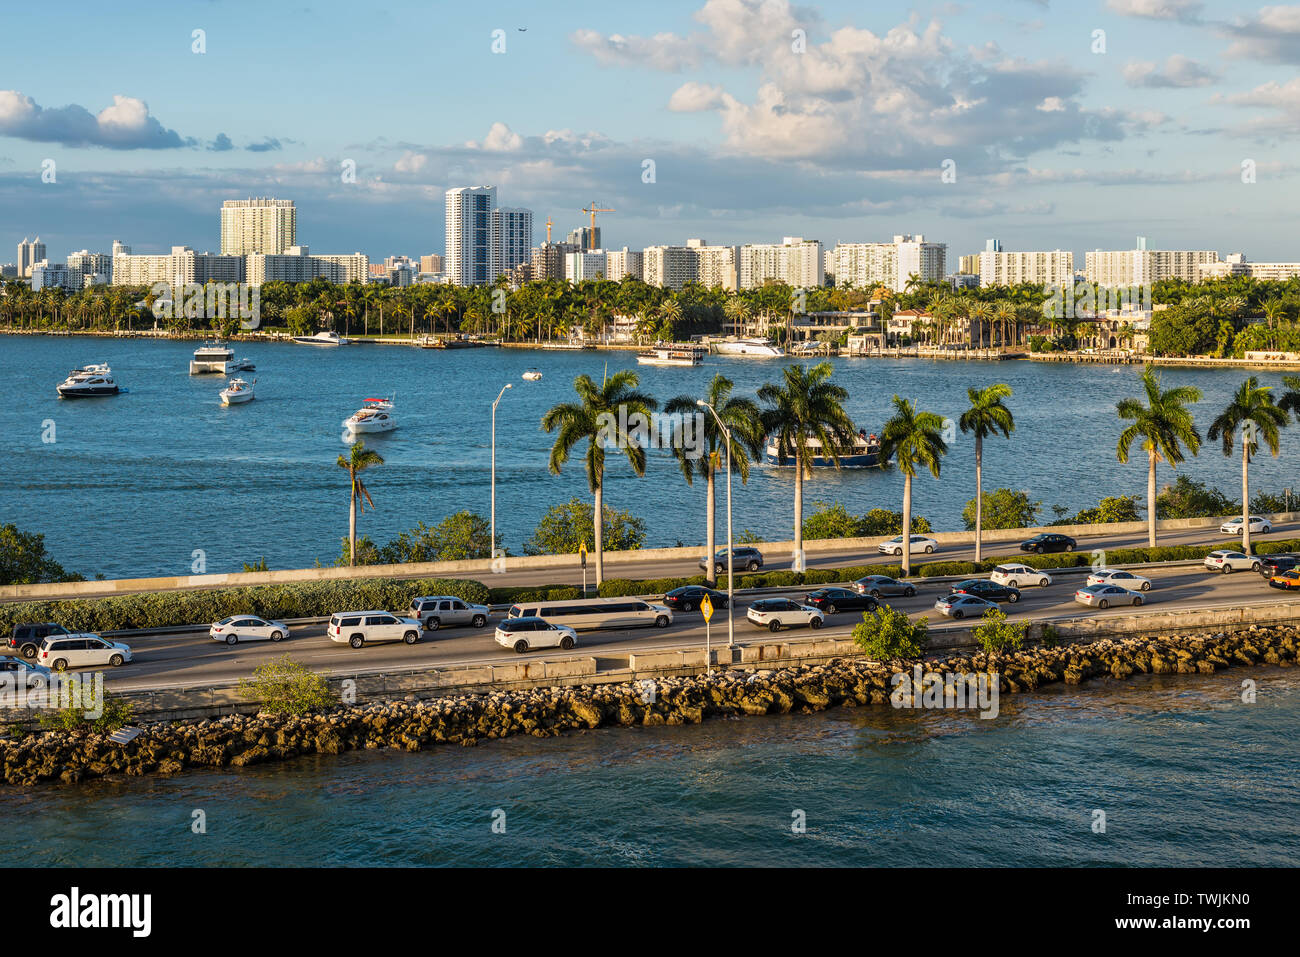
{"x":195,"y":660}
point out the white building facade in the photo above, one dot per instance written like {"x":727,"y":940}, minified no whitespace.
{"x":263,"y":225}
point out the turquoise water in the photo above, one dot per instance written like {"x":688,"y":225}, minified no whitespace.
{"x":1186,"y":774}
{"x":133,"y":485}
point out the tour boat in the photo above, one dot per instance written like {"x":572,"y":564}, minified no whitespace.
{"x":669,"y":357}
{"x":865,"y":453}
{"x":375,"y":416}
{"x":329,"y":338}
{"x":532,"y":375}
{"x":753,"y":348}
{"x":92,"y":380}
{"x":213,"y":357}
{"x":237,"y":391}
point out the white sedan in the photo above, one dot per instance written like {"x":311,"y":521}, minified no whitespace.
{"x":919,"y":544}
{"x":1233,"y":525}
{"x":1017,"y":576}
{"x":1117,"y":576}
{"x":1225,"y":561}
{"x":777,"y":613}
{"x":239,"y":628}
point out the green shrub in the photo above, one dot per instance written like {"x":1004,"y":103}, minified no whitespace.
{"x":284,"y":686}
{"x":290,"y":600}
{"x":115,"y":713}
{"x":509,"y":596}
{"x":995,"y":634}
{"x":888,"y":635}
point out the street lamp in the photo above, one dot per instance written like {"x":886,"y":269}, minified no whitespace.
{"x":726,"y":433}
{"x":494,"y":468}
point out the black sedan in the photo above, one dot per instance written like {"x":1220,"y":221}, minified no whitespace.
{"x":833,"y":600}
{"x":1048,"y":542}
{"x":687,"y":598}
{"x":983,"y":588}
{"x":878,"y":585}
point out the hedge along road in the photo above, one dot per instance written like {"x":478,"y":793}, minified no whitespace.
{"x":194,"y":660}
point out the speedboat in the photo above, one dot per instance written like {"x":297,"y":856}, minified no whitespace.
{"x":92,"y":380}
{"x":375,"y":416}
{"x":237,"y":391}
{"x":753,"y":348}
{"x":329,"y":338}
{"x":213,"y":357}
{"x":532,"y":375}
{"x":864,"y":453}
{"x":669,"y":357}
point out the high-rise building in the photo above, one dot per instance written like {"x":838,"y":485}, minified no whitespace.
{"x":548,"y":260}
{"x":624,"y":262}
{"x":470,"y":246}
{"x":432,"y":263}
{"x":89,"y":269}
{"x":795,"y":261}
{"x":866,"y":265}
{"x":297,"y":264}
{"x":585,"y":265}
{"x":512,"y":237}
{"x":1236,"y":264}
{"x":261,"y":225}
{"x":30,"y":252}
{"x":179,"y":267}
{"x":1143,"y":267}
{"x":46,"y":275}
{"x":674,"y":266}
{"x":969,"y":265}
{"x":998,"y":268}
{"x":586,"y":238}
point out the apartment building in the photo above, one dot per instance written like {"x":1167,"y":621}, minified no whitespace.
{"x":892,"y":264}
{"x":1142,"y":266}
{"x":794,"y":261}
{"x":263,"y":225}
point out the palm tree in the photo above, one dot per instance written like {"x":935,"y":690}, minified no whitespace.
{"x":1164,"y":425}
{"x":986,"y":416}
{"x":912,"y":438}
{"x":596,"y":418}
{"x":1253,"y":412}
{"x":808,"y":406}
{"x":358,"y":459}
{"x":1290,"y":400}
{"x":741,"y":417}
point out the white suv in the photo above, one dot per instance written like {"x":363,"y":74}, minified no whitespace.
{"x":1017,"y":575}
{"x":1222,"y":560}
{"x":439,"y":611}
{"x":356,"y":628}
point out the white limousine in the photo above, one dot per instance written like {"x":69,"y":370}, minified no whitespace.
{"x":585,"y":613}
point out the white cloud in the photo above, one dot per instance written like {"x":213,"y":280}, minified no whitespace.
{"x":692,"y":97}
{"x":1178,"y":72}
{"x":1185,"y":11}
{"x":1273,"y":34}
{"x":125,"y":125}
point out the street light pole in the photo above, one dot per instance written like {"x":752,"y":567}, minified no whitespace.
{"x":493,"y":549}
{"x":726,"y":433}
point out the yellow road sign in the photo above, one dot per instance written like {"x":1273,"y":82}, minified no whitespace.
{"x":582,"y":553}
{"x":706,"y":607}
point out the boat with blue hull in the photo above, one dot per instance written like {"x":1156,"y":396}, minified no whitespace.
{"x":864,"y":454}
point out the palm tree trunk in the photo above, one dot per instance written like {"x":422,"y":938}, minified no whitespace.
{"x":710,"y":500}
{"x":907,"y":525}
{"x":798,"y":508}
{"x":352,"y":526}
{"x":598,"y":521}
{"x":979,"y":498}
{"x":1245,"y":496}
{"x":1151,"y":499}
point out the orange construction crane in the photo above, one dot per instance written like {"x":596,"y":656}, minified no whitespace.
{"x":594,"y":209}
{"x":548,"y":230}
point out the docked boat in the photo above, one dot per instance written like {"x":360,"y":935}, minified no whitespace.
{"x":328,"y":338}
{"x":865,"y":453}
{"x":375,"y":416}
{"x":89,"y":381}
{"x":218,"y":358}
{"x":753,"y":348}
{"x":532,"y":375}
{"x":669,"y":357}
{"x":237,"y":392}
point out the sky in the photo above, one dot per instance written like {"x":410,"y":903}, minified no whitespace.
{"x":1043,"y":123}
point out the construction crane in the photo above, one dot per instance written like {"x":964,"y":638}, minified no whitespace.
{"x":594,"y":209}
{"x":548,"y":230}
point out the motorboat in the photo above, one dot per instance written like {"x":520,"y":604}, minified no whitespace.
{"x":532,"y":375}
{"x":669,"y":357}
{"x":754,"y":348}
{"x":327,"y":338}
{"x":238,"y":392}
{"x":217,"y":357}
{"x":375,"y":416}
{"x":864,"y":453}
{"x":91,"y":380}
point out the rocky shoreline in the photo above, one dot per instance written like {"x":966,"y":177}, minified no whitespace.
{"x":242,"y":740}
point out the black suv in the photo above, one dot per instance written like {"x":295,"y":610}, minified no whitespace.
{"x":27,"y":638}
{"x":742,"y":559}
{"x":1270,"y":565}
{"x":1048,"y":542}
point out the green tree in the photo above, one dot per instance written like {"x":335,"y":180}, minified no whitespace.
{"x":23,"y":560}
{"x":284,"y":686}
{"x":1188,"y":498}
{"x":912,"y":437}
{"x":596,"y":420}
{"x":885,"y":523}
{"x":987,"y":415}
{"x":1289,"y":401}
{"x":831,"y":521}
{"x":709,"y":454}
{"x":806,"y":406}
{"x":1005,"y":508}
{"x":886,"y":634}
{"x":1164,"y":425}
{"x":461,"y":536}
{"x":1116,"y":508}
{"x":995,"y":634}
{"x":565,"y":527}
{"x":358,"y":459}
{"x":1253,"y":412}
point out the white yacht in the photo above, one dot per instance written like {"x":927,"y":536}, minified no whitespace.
{"x":375,"y":416}
{"x":532,"y":375}
{"x":669,"y":357}
{"x":92,"y":380}
{"x":237,"y":392}
{"x":753,"y":348}
{"x":330,"y":338}
{"x":217,"y":357}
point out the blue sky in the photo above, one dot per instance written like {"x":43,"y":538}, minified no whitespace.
{"x":1053,"y":144}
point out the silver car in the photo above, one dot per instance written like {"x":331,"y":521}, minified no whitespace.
{"x":882,"y":585}
{"x":441,"y":611}
{"x":1103,"y":596}
{"x":958,"y":605}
